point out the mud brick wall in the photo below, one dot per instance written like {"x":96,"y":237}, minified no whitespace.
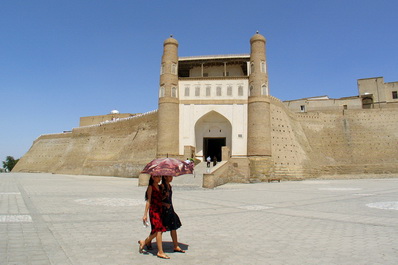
{"x":353,"y":141}
{"x":290,"y":147}
{"x":304,"y":145}
{"x":119,"y":148}
{"x":333,"y":142}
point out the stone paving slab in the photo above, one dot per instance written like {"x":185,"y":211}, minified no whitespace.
{"x":65,"y":219}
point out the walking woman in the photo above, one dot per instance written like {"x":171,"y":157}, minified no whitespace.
{"x":170,"y":219}
{"x":153,"y":197}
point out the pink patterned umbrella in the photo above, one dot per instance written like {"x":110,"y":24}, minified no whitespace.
{"x":168,"y":167}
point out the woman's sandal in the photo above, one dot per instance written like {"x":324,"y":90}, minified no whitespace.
{"x":179,"y":250}
{"x":164,"y":256}
{"x":140,"y":247}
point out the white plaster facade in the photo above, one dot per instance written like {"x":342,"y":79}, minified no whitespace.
{"x":213,"y":108}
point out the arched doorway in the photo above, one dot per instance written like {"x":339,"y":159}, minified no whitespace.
{"x":367,"y":103}
{"x":212,"y":132}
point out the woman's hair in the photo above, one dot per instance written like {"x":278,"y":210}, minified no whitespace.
{"x":149,"y":184}
{"x":164,"y":186}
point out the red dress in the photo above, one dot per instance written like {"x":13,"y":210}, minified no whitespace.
{"x":155,"y":211}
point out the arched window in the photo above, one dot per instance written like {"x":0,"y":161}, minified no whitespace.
{"x":174,"y":68}
{"x":229,"y":91}
{"x":174,"y":92}
{"x":264,"y":89}
{"x":252,"y":67}
{"x":263,"y":67}
{"x":218,"y":91}
{"x":161,"y":92}
{"x":197,"y":91}
{"x":187,"y":91}
{"x":367,"y":103}
{"x":208,"y":90}
{"x":162,"y":68}
{"x":240,"y":91}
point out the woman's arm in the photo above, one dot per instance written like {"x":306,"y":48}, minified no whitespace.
{"x":147,"y":204}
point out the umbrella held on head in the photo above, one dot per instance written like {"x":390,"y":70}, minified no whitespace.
{"x":168,"y":167}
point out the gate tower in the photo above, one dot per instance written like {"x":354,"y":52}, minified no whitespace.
{"x":168,"y":106}
{"x":259,"y":121}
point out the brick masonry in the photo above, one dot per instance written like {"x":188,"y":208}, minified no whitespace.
{"x":304,"y":145}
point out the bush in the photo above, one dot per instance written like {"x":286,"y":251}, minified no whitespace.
{"x":10,"y":163}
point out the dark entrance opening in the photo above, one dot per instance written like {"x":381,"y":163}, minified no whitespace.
{"x":212,"y":147}
{"x":367,"y":103}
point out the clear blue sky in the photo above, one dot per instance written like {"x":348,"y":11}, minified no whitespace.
{"x":61,"y":60}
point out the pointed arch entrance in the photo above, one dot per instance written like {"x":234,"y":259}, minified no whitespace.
{"x":212,"y":132}
{"x":367,"y":103}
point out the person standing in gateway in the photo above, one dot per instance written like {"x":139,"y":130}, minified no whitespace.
{"x":208,"y":159}
{"x":214,"y":161}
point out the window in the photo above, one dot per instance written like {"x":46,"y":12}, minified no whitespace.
{"x":174,"y":92}
{"x":161,"y":92}
{"x":367,"y":103}
{"x":208,"y":89}
{"x":218,"y":92}
{"x":162,"y":68}
{"x":263,"y":67}
{"x":264,"y":89}
{"x":240,"y":91}
{"x":252,"y":67}
{"x":345,"y":107}
{"x":186,"y":91}
{"x":197,"y":91}
{"x":394,"y":95}
{"x":251,"y":91}
{"x":205,"y":74}
{"x":302,"y":108}
{"x":174,"y":68}
{"x":229,"y":91}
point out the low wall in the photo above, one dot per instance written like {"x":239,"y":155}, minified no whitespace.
{"x":218,"y":177}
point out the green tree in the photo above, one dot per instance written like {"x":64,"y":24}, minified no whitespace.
{"x":9,"y":164}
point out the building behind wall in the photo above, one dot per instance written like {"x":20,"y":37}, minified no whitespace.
{"x":373,"y":93}
{"x":221,"y":106}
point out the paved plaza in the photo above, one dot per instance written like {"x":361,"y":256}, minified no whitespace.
{"x":66,"y":219}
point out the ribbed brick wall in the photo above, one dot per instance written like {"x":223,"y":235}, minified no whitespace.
{"x":353,"y":141}
{"x":120,"y":148}
{"x":290,"y":147}
{"x":333,"y":142}
{"x":303,"y":145}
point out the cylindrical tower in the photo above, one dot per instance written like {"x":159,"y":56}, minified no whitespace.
{"x":168,"y":109}
{"x":259,"y":121}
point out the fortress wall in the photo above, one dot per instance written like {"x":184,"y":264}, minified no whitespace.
{"x":353,"y":141}
{"x":119,"y":148}
{"x":303,"y":145}
{"x":290,"y":148}
{"x":45,"y":154}
{"x":333,"y":142}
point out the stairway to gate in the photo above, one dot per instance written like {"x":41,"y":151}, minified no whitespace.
{"x":196,"y":179}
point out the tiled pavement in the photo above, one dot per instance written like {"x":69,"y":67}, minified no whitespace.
{"x":65,"y":219}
